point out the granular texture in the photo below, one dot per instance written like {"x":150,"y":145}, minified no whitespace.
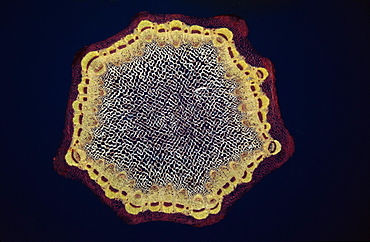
{"x":170,"y":117}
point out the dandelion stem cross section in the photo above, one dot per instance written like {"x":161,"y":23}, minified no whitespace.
{"x":173,"y":119}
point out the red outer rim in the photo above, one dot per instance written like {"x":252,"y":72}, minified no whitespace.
{"x":278,"y":130}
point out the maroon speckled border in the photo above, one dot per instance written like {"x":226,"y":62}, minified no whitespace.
{"x":278,"y":130}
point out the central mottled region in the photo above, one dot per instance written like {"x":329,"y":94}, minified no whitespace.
{"x":170,"y":117}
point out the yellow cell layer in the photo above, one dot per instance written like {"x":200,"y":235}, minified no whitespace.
{"x":254,"y":105}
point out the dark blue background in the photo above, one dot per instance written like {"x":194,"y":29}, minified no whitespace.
{"x":321,"y":54}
